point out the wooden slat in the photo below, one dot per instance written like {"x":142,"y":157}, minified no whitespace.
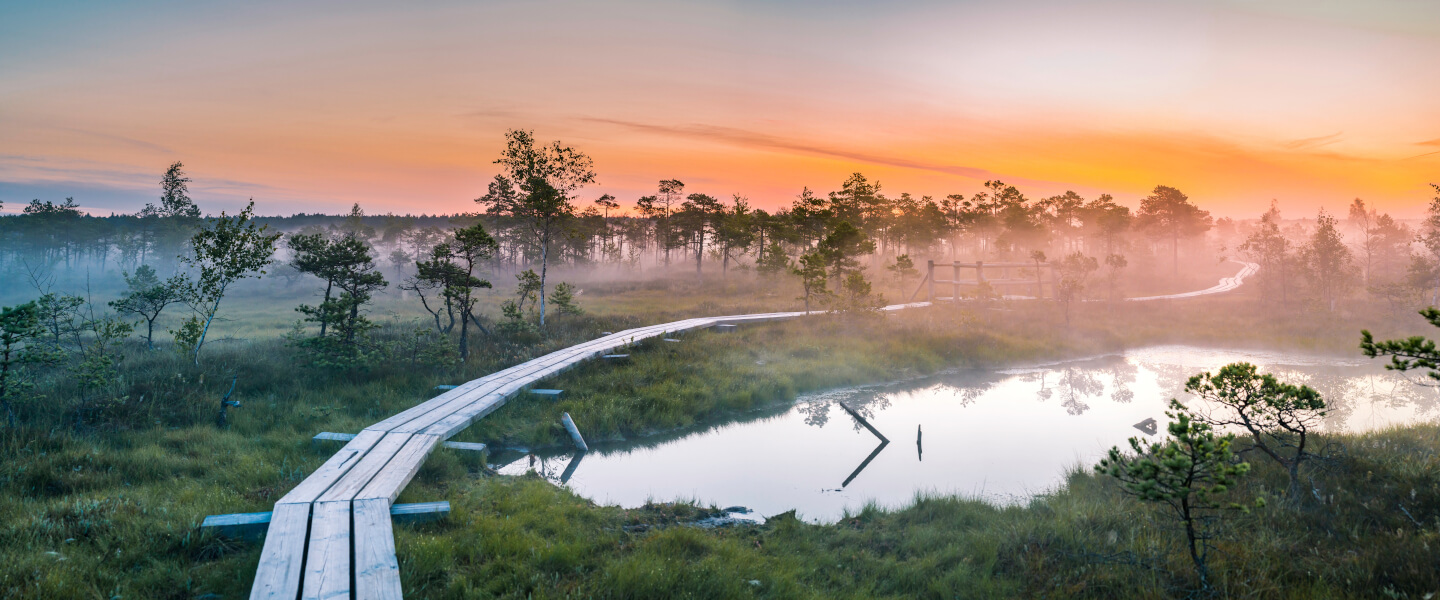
{"x":374,"y":461}
{"x":377,"y":569}
{"x":400,"y":470}
{"x":330,"y":472}
{"x":327,"y":561}
{"x":278,"y":575}
{"x":417,"y":512}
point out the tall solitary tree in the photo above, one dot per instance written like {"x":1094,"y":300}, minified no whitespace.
{"x":227,"y":250}
{"x":175,"y":200}
{"x":535,"y":189}
{"x":1168,"y":213}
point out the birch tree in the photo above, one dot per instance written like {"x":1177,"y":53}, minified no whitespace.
{"x":229,"y":249}
{"x":535,"y":189}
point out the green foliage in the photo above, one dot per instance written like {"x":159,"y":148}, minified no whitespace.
{"x":1328,"y":263}
{"x":564,"y":300}
{"x":774,"y":261}
{"x":148,"y":297}
{"x":22,"y":351}
{"x":811,"y":269}
{"x":527,"y":290}
{"x":1414,"y":352}
{"x":95,"y":368}
{"x":903,"y":268}
{"x":536,"y":190}
{"x":1074,"y":271}
{"x":187,"y":335}
{"x":227,"y":250}
{"x":175,"y":200}
{"x":451,"y":271}
{"x":1168,"y":213}
{"x":1280,"y":417}
{"x":855,"y":294}
{"x":841,"y":248}
{"x":1188,"y":472}
{"x":347,"y":264}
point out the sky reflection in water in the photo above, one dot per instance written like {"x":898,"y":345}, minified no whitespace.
{"x":1001,"y":435}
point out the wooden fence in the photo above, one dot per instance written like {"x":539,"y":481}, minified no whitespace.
{"x":1036,"y":277}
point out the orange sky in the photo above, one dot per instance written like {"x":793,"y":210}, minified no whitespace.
{"x":312,"y":108}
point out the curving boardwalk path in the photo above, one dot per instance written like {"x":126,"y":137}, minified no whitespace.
{"x":1226,"y":284}
{"x":331,"y":536}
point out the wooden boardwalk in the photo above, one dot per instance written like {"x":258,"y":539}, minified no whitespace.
{"x":330,"y":537}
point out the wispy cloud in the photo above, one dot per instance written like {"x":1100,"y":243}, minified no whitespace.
{"x":1434,"y":142}
{"x":125,"y":141}
{"x":1314,"y":142}
{"x":750,"y":139}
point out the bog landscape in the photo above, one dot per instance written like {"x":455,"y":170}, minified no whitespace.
{"x":287,"y":332}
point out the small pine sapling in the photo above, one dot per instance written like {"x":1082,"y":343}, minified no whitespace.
{"x":1280,"y":417}
{"x":1187,"y":472}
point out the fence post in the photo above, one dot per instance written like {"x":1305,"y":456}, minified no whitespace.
{"x":930,"y":274}
{"x":955,"y":277}
{"x":979,"y":274}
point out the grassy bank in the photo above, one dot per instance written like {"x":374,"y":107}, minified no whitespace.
{"x":522,"y":537}
{"x":111,"y":508}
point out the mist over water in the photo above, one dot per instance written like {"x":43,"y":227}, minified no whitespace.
{"x":1002,"y":435}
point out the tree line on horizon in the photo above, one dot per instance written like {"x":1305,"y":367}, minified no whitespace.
{"x":535,"y":218}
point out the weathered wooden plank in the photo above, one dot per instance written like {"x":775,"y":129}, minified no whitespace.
{"x":401,"y":469}
{"x":278,"y":575}
{"x":238,"y":525}
{"x":377,"y":569}
{"x":548,"y":393}
{"x":327,"y":561}
{"x":369,"y":467}
{"x":465,"y":446}
{"x":328,"y":436}
{"x":417,"y":512}
{"x":253,"y":525}
{"x":331,"y":471}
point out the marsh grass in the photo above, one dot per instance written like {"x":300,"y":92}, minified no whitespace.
{"x":112,"y":508}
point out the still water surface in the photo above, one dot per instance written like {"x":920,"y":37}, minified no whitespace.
{"x":1001,"y":435}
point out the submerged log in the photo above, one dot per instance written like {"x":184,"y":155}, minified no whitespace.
{"x":864,"y":422}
